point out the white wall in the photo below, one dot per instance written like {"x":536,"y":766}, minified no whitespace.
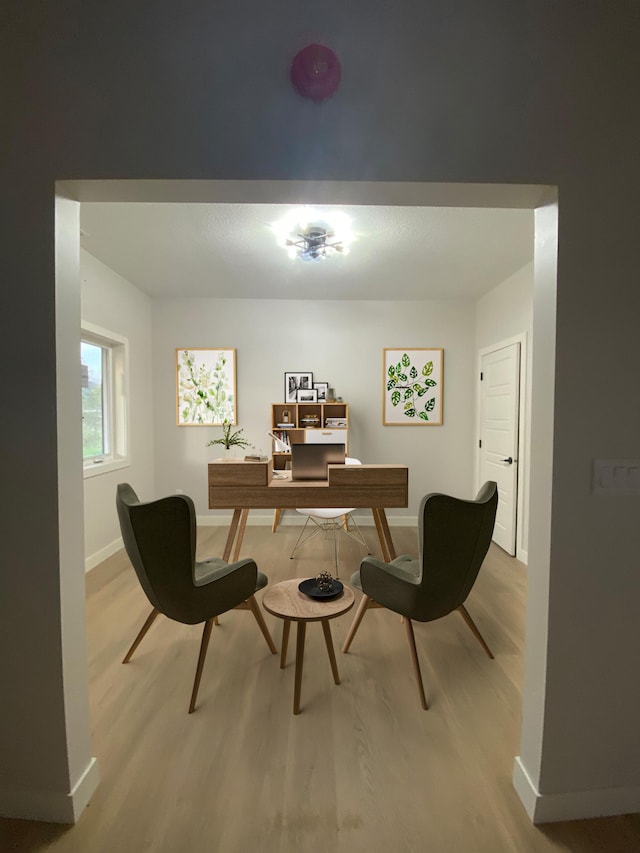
{"x":113,"y":303}
{"x":341,"y":343}
{"x":504,"y":313}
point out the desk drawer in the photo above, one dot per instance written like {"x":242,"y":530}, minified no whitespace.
{"x":236,"y":472}
{"x":325,"y":436}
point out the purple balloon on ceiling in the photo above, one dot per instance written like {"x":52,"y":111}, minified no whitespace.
{"x":315,"y":72}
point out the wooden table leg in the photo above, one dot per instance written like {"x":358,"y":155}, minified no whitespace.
{"x":286,"y":625}
{"x":276,"y":519}
{"x":231,"y":535}
{"x":332,"y":655}
{"x":244,"y":515}
{"x":302,"y":627}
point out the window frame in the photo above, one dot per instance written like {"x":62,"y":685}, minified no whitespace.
{"x":115,"y":399}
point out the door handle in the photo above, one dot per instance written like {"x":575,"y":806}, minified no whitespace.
{"x":509,"y":460}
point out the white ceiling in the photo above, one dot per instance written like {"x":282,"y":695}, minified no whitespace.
{"x":229,"y":251}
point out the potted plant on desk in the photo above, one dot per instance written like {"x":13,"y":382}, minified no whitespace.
{"x":229,"y":440}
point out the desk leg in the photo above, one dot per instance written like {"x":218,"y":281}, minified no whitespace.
{"x":276,"y":519}
{"x":244,"y":515}
{"x":302,"y":627}
{"x":384,"y":536}
{"x":332,"y":655}
{"x":387,"y":534}
{"x":286,"y":625}
{"x":231,"y":535}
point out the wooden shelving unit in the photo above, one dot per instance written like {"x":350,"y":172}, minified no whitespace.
{"x":297,"y":423}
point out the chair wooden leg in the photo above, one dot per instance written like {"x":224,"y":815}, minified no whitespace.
{"x":206,"y":633}
{"x":148,"y":623}
{"x":357,"y":619}
{"x":462,"y":610}
{"x":416,"y":664}
{"x":255,"y":609}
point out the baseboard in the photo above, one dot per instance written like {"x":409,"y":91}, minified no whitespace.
{"x":93,"y":560}
{"x":523,"y":556}
{"x":51,"y":806}
{"x":572,"y":805}
{"x":289,"y":517}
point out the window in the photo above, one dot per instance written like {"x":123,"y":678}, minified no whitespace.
{"x":104,"y":359}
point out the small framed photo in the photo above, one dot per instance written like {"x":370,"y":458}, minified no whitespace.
{"x":294,"y":382}
{"x":307,"y":395}
{"x":322,"y":389}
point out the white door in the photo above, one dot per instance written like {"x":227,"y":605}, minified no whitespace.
{"x":499,"y":407}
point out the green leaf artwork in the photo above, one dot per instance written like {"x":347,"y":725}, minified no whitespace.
{"x":206,"y":387}
{"x":413,"y":386}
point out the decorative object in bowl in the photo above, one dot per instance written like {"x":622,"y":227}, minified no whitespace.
{"x":324,"y":581}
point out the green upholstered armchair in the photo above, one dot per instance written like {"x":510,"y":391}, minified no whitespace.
{"x":453,"y":539}
{"x":160,"y":540}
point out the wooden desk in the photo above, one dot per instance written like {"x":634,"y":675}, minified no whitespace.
{"x":242,"y":486}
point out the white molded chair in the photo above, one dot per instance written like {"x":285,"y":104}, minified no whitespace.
{"x":330,"y":520}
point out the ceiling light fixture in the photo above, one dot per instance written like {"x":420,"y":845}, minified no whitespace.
{"x":314,"y":243}
{"x":312,"y":235}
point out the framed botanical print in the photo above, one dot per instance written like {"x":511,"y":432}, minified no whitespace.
{"x":206,"y":387}
{"x":412,"y":387}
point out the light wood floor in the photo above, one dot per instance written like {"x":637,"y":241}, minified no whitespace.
{"x":362,"y":768}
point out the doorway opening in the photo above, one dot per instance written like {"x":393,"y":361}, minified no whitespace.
{"x":71,"y":194}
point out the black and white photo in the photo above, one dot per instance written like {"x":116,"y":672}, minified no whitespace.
{"x":322,"y":388}
{"x":294,"y":382}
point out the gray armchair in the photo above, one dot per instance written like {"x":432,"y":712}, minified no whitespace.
{"x":160,"y":540}
{"x":453,"y":539}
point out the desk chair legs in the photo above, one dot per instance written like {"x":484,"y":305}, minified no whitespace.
{"x":148,"y":623}
{"x":340,"y":524}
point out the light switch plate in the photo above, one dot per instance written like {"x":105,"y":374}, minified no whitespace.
{"x":616,"y":477}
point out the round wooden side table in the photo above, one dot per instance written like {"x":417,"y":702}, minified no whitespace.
{"x":285,"y":601}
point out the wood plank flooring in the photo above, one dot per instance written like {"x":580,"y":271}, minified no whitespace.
{"x":361,"y":768}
